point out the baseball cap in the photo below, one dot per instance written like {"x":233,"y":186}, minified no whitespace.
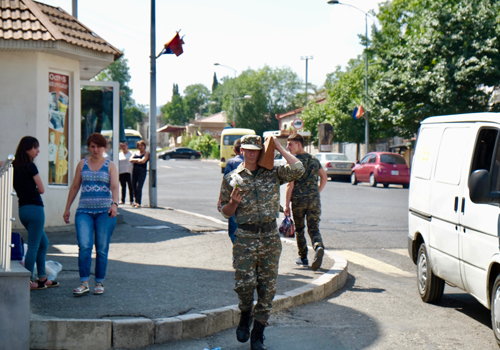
{"x":251,"y":142}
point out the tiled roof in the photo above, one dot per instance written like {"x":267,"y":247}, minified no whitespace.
{"x":30,"y":20}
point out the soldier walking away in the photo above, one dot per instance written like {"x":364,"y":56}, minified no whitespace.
{"x":251,"y":193}
{"x":306,"y":204}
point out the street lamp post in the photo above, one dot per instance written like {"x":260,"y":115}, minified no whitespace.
{"x":234,"y":87}
{"x":367,"y":132}
{"x":307,"y":58}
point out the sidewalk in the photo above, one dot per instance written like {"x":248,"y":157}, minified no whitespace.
{"x":169,"y":277}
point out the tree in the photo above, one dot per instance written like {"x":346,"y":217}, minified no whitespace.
{"x":133,"y":115}
{"x":194,"y":97}
{"x":119,"y":71}
{"x":435,"y":58}
{"x":174,"y":112}
{"x":215,"y":83}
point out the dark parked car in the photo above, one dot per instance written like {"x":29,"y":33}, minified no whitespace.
{"x":180,"y":153}
{"x":381,"y":168}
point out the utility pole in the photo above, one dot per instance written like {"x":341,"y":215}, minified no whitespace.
{"x":307,"y":58}
{"x":153,"y":202}
{"x":75,"y":9}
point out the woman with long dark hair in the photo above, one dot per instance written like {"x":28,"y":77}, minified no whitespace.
{"x":29,"y":187}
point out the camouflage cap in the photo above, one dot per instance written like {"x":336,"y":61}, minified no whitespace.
{"x":251,"y":142}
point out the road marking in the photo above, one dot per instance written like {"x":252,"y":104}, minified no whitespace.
{"x":403,"y":252}
{"x":372,"y":264}
{"x":166,"y":166}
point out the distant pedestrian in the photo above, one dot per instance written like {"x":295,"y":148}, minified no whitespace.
{"x":251,"y":193}
{"x":231,"y":165}
{"x":29,"y":187}
{"x":126,"y":173}
{"x":95,"y":218}
{"x":140,"y":160}
{"x":306,"y":204}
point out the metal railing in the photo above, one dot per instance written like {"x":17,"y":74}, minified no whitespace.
{"x":6,"y":194}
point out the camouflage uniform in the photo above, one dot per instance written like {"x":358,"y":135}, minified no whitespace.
{"x":306,"y":204}
{"x":257,"y":247}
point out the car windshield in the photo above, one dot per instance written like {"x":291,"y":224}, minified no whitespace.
{"x":391,"y":159}
{"x":132,"y":141}
{"x":333,"y":157}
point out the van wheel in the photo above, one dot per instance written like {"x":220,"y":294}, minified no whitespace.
{"x":354,"y":181}
{"x":222,"y":170}
{"x":430,"y":286}
{"x":495,"y":309}
{"x":373,"y":182}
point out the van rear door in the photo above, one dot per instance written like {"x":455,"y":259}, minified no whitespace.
{"x":480,"y":222}
{"x":444,"y":205}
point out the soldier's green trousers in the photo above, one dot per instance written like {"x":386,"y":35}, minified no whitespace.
{"x":310,"y":210}
{"x":256,"y":264}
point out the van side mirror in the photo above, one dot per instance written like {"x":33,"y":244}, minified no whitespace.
{"x":479,"y":188}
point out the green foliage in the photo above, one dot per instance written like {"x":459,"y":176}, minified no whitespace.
{"x":174,"y":112}
{"x":119,"y":71}
{"x":215,"y":82}
{"x":133,"y":115}
{"x":435,"y":57}
{"x":194,"y":97}
{"x":206,"y":144}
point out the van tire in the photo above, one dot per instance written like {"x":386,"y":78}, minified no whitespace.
{"x":373,"y":181}
{"x":430,"y":286}
{"x":354,"y":181}
{"x":495,"y":309}
{"x":222,"y":170}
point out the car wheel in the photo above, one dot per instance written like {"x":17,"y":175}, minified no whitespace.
{"x":192,"y":157}
{"x":495,"y":309}
{"x":386,"y":185}
{"x":373,"y":182}
{"x":406,"y":185}
{"x":430,"y":286}
{"x":167,"y":157}
{"x":354,"y":181}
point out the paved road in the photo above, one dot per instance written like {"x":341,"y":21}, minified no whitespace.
{"x":379,"y":308}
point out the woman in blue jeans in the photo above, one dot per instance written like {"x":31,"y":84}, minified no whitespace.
{"x":95,"y":217}
{"x":29,"y":187}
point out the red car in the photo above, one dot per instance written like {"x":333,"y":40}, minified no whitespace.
{"x":381,"y":168}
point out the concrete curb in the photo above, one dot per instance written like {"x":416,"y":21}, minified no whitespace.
{"x":133,"y":333}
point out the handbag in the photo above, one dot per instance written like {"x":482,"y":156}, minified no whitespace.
{"x":17,"y":249}
{"x":287,"y":228}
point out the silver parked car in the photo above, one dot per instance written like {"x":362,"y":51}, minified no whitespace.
{"x":335,"y":164}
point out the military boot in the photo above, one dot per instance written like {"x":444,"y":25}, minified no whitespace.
{"x":243,"y":330}
{"x":257,"y":339}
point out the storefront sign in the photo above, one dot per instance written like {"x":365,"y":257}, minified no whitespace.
{"x":58,"y":129}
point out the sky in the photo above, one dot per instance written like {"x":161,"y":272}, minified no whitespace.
{"x":239,"y":34}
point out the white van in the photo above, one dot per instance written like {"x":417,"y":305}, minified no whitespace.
{"x":454,"y":215}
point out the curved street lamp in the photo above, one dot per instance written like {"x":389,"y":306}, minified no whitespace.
{"x":367,"y":132}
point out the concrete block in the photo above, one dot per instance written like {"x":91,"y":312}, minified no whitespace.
{"x":236,"y":314}
{"x":331,"y":285}
{"x":133,"y":333}
{"x":218,"y":319}
{"x":15,"y":307}
{"x":281,"y":302}
{"x":167,"y":329}
{"x":70,"y":334}
{"x":295,"y":297}
{"x":193,"y":326}
{"x":318,"y":292}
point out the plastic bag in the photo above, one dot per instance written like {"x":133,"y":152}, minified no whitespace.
{"x":52,"y":268}
{"x":287,"y":228}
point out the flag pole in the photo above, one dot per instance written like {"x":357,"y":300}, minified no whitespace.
{"x":153,"y":202}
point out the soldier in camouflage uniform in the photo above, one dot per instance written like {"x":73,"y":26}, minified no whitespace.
{"x":306,"y":204}
{"x":252,"y":194}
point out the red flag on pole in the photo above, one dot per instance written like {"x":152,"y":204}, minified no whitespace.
{"x":174,"y":46}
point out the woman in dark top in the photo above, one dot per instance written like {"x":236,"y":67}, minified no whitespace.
{"x":140,"y":161}
{"x":29,"y":186}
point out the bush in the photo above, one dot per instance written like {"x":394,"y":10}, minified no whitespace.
{"x":206,"y":144}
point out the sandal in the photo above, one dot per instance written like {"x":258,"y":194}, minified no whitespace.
{"x":52,"y":284}
{"x":81,"y":289}
{"x":99,"y":288}
{"x":40,"y":285}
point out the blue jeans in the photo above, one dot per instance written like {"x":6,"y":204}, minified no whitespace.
{"x":231,"y":227}
{"x":33,"y":219}
{"x":89,"y":226}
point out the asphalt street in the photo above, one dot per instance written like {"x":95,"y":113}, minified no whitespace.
{"x":379,"y":307}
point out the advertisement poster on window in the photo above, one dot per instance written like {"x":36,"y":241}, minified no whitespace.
{"x":58,"y":129}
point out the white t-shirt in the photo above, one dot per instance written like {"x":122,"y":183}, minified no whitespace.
{"x":124,"y":163}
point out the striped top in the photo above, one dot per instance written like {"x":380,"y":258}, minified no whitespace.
{"x":96,"y":193}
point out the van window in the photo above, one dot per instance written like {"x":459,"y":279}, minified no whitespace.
{"x":427,"y":145}
{"x":487,"y":155}
{"x":451,"y":155}
{"x":229,"y":139}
